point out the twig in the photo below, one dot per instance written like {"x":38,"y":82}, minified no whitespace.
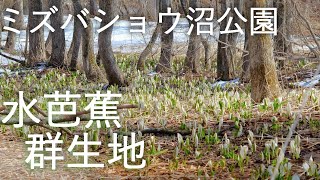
{"x":165,"y":132}
{"x":307,"y":23}
{"x":47,"y":127}
{"x":229,"y":45}
{"x":127,"y":106}
{"x":4,"y":113}
{"x":66,"y":131}
{"x":35,"y":107}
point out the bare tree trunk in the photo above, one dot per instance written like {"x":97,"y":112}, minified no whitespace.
{"x":192,"y":61}
{"x":48,"y":45}
{"x":90,"y":66}
{"x":69,"y":53}
{"x":166,"y":40}
{"x":113,"y":72}
{"x":264,"y":80}
{"x":58,"y":38}
{"x":226,"y":55}
{"x":233,"y":39}
{"x":207,"y":53}
{"x":1,"y":19}
{"x":11,"y":38}
{"x":206,"y":45}
{"x":76,"y":39}
{"x":148,"y":50}
{"x":93,"y":7}
{"x":36,"y":39}
{"x":25,"y":51}
{"x":98,"y":59}
{"x":245,"y":76}
{"x":289,"y":25}
{"x":279,"y":40}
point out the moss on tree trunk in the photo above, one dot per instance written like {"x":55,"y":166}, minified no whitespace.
{"x":263,"y":74}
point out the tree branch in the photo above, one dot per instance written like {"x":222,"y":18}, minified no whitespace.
{"x":307,"y":23}
{"x":13,"y":59}
{"x":83,"y":115}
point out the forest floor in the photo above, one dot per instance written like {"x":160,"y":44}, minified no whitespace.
{"x":13,"y":153}
{"x":214,"y":125}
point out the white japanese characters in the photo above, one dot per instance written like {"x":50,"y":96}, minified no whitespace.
{"x":53,"y":10}
{"x":103,"y":107}
{"x":38,"y":146}
{"x":107,"y":25}
{"x":142,"y":25}
{"x":125,"y":148}
{"x":227,"y":30}
{"x":22,"y":108}
{"x":85,"y":154}
{"x":175,"y":23}
{"x":263,"y":21}
{"x":11,"y":20}
{"x":62,"y":108}
{"x":200,"y":24}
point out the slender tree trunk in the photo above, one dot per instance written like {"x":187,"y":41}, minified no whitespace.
{"x":11,"y":38}
{"x":58,"y":38}
{"x":245,"y":76}
{"x":1,"y":19}
{"x":98,"y":59}
{"x":148,"y":50}
{"x":77,"y":33}
{"x":226,"y":55}
{"x":26,"y":43}
{"x":90,"y":66}
{"x":289,"y":25}
{"x":113,"y":72}
{"x":93,"y":7}
{"x":166,"y":40}
{"x":69,"y":53}
{"x":207,"y":53}
{"x":264,"y":80}
{"x":192,"y":61}
{"x":233,"y":39}
{"x":48,"y":45}
{"x":206,"y":44}
{"x":36,"y":39}
{"x":281,"y":45}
